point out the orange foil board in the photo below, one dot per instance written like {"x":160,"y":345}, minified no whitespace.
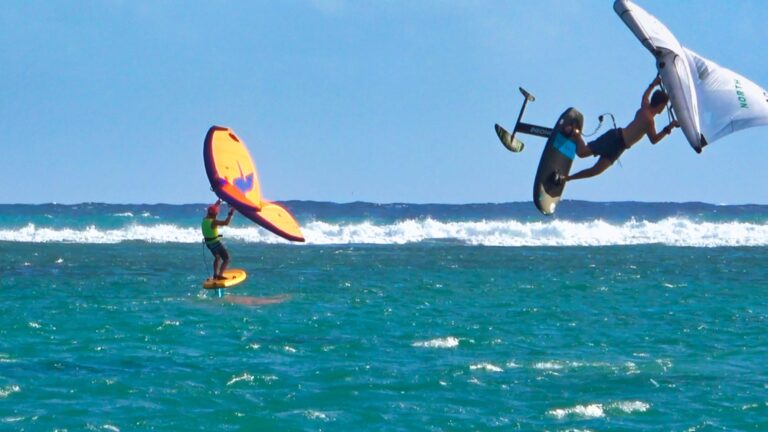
{"x":232,"y":278}
{"x":233,"y":177}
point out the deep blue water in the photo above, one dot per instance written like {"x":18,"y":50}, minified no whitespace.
{"x":615,"y":316}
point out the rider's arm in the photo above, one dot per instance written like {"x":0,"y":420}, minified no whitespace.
{"x":655,"y":137}
{"x":647,"y":94}
{"x":225,"y":221}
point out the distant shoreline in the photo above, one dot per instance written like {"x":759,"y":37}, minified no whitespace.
{"x":394,"y":203}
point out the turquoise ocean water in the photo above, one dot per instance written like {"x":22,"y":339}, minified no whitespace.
{"x":608,"y":317}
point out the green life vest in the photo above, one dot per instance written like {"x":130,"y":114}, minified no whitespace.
{"x":210,"y":232}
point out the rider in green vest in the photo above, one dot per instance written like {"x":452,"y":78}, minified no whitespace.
{"x":210,"y":227}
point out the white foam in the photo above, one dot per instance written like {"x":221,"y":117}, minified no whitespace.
{"x":316,"y":415}
{"x":584,"y":411}
{"x":597,"y":410}
{"x":559,"y":365}
{"x":630,"y":407}
{"x":671,"y":231}
{"x":549,"y":365}
{"x":14,"y":420}
{"x":674,"y":231}
{"x":161,"y":233}
{"x":7,"y":391}
{"x":169,"y":323}
{"x":244,"y":377}
{"x":447,"y":342}
{"x":488,"y":367}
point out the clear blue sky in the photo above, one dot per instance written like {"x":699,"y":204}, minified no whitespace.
{"x":342,"y":100}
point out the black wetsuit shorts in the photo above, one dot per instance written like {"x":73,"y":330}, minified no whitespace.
{"x":610,"y":145}
{"x":218,"y":249}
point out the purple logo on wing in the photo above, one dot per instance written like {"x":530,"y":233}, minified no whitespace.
{"x":244,"y":182}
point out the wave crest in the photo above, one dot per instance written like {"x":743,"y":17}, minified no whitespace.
{"x":672,"y":231}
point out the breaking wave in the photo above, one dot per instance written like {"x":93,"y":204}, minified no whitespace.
{"x":673,"y":231}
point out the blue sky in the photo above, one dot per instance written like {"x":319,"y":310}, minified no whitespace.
{"x":383,"y":101}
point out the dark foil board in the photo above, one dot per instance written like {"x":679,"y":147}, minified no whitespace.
{"x":558,"y":155}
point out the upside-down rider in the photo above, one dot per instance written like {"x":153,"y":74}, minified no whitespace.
{"x":210,"y":227}
{"x":610,"y":145}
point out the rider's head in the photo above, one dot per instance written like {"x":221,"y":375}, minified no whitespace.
{"x":213,"y":211}
{"x":659,"y":100}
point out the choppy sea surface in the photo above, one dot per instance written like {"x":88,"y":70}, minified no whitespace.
{"x":398,"y":317}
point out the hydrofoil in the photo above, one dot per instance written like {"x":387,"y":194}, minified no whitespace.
{"x":557,"y":156}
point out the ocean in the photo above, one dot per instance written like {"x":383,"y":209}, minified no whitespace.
{"x":607,"y":317}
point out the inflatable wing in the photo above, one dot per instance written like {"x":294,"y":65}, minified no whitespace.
{"x":233,"y":178}
{"x":708,"y":100}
